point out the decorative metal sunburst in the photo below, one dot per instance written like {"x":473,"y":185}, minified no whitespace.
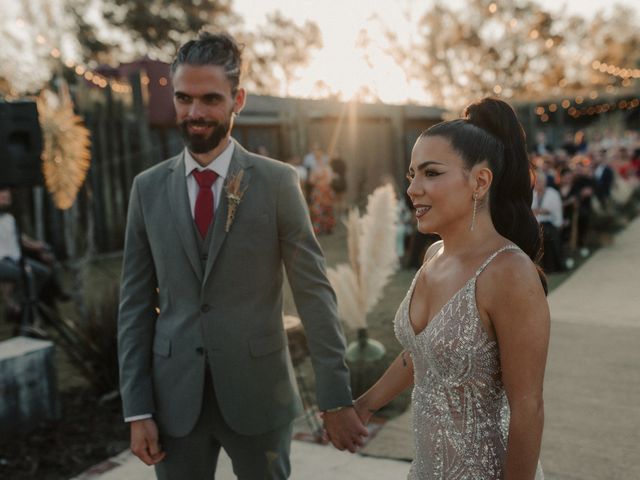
{"x":66,"y":155}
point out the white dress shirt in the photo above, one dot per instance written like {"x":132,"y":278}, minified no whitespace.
{"x":9,"y":246}
{"x":550,"y":201}
{"x":220,"y":165}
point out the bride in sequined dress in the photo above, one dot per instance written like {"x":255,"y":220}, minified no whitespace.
{"x":475,"y":322}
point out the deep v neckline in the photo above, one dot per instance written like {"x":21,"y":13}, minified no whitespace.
{"x":460,"y":290}
{"x":412,"y":291}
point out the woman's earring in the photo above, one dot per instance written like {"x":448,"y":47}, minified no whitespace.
{"x":475,"y":208}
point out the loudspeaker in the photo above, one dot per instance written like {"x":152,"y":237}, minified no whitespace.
{"x":20,"y":145}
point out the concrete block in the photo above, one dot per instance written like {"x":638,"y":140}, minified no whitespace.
{"x":28,"y":393}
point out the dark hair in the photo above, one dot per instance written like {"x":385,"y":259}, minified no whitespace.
{"x":490,"y":130}
{"x":218,"y":49}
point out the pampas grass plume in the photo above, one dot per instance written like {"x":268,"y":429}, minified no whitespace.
{"x":372,"y":257}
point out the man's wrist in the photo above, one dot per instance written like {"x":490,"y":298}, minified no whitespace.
{"x":337,"y":409}
{"x":135,"y":418}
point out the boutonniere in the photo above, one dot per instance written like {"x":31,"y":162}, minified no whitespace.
{"x":234,"y":196}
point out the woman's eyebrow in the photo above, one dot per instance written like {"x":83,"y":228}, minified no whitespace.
{"x":424,"y":165}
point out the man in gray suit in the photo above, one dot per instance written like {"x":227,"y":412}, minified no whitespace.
{"x":202,"y":348}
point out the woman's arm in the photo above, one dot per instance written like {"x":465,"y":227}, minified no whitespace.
{"x":520,"y":316}
{"x":394,"y":381}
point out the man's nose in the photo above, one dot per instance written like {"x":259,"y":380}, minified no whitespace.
{"x":196,"y":109}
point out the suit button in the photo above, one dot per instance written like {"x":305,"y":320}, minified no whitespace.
{"x":204,"y":257}
{"x":200,"y":351}
{"x":205,"y":308}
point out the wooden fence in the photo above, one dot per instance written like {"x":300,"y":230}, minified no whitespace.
{"x":374,"y":140}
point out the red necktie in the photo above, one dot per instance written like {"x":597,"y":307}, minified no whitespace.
{"x":204,"y":202}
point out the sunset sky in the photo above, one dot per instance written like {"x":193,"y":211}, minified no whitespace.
{"x":342,"y":66}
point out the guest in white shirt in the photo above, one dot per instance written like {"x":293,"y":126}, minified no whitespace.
{"x":547,"y":207}
{"x":41,"y":269}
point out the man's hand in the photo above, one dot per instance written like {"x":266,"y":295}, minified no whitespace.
{"x":345,"y":429}
{"x":144,"y":441}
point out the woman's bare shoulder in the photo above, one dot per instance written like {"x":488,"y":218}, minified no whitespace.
{"x":511,"y":273}
{"x":432,"y":250}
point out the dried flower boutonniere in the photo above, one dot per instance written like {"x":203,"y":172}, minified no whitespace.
{"x":234,"y":196}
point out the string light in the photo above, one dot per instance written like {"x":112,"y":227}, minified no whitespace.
{"x":82,"y":70}
{"x":615,"y":70}
{"x":624,"y":104}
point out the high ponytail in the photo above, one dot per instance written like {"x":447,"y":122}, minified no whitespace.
{"x":490,"y":130}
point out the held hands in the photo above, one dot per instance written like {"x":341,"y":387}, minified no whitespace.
{"x":363,"y":411}
{"x":345,"y":429}
{"x":144,"y":441}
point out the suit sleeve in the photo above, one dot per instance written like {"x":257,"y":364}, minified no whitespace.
{"x":313,"y":295}
{"x":137,"y":314}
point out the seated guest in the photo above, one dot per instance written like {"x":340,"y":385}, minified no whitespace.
{"x":603,"y":176}
{"x":547,"y":207}
{"x":40,"y":265}
{"x":577,"y":187}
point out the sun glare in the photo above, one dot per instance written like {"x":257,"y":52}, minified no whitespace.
{"x":352,"y":72}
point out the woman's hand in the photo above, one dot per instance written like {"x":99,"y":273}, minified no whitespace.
{"x":363,"y":411}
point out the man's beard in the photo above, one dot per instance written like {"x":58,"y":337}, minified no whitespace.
{"x":203,"y":143}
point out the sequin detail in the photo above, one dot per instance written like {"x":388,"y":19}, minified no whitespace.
{"x":460,"y":409}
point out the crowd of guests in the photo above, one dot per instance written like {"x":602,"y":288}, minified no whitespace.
{"x":323,"y":181}
{"x":580,"y":190}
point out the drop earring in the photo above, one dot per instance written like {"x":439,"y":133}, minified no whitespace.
{"x":475,"y":208}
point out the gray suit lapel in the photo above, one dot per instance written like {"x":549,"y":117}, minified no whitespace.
{"x":181,"y":213}
{"x":239,"y":161}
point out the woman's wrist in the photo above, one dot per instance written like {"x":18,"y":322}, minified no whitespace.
{"x":363,"y":404}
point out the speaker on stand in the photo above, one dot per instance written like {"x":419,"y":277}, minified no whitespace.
{"x":20,"y":145}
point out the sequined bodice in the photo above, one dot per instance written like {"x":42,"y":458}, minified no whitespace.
{"x":460,"y":410}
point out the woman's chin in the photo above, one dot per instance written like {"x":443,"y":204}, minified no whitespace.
{"x":425,"y":228}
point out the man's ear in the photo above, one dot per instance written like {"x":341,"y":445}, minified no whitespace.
{"x":239,"y":102}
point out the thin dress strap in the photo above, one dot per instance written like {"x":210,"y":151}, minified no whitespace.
{"x":494,"y":255}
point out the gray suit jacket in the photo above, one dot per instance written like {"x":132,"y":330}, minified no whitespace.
{"x":178,"y":310}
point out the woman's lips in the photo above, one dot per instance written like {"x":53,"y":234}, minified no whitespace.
{"x":422,"y":210}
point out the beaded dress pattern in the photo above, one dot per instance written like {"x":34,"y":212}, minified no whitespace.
{"x":460,"y":409}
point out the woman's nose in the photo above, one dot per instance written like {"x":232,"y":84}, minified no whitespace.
{"x":412,"y":189}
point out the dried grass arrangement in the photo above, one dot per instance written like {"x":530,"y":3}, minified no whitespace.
{"x":67,"y":147}
{"x":372,"y":258}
